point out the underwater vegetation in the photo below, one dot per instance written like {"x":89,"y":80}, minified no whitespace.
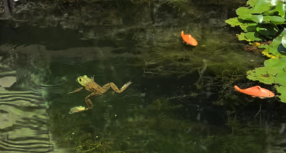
{"x":261,"y":21}
{"x":155,"y":128}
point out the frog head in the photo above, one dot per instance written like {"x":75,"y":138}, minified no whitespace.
{"x":84,"y":80}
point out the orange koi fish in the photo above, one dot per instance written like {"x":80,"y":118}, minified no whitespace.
{"x":256,"y":91}
{"x":189,"y":39}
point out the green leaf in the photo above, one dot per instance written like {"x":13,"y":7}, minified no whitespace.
{"x":281,"y":8}
{"x":283,"y":41}
{"x":261,"y":74}
{"x":263,"y":46}
{"x":281,"y":79}
{"x":273,"y":47}
{"x":241,"y":36}
{"x":244,"y":13}
{"x":261,"y":6}
{"x":269,"y":31}
{"x":282,"y":91}
{"x":283,"y":33}
{"x":251,"y":3}
{"x":274,"y":71}
{"x":270,"y":12}
{"x":274,"y":19}
{"x":275,"y":63}
{"x":248,"y":27}
{"x":233,"y":22}
{"x":251,"y":36}
{"x":257,"y":18}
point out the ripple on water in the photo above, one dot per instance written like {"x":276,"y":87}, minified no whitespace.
{"x":23,"y":119}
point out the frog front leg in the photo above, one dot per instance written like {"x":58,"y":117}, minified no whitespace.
{"x":76,"y":90}
{"x":88,"y":101}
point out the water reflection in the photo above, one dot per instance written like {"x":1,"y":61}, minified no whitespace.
{"x":24,"y":120}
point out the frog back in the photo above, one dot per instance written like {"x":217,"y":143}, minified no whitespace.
{"x":92,"y":87}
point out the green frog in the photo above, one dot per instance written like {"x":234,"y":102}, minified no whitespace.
{"x":95,"y":89}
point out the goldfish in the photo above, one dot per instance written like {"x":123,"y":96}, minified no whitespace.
{"x":256,"y":91}
{"x":189,"y":39}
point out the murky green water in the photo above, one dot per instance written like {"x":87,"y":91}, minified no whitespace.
{"x":181,"y":98}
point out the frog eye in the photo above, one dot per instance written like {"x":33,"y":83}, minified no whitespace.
{"x":79,"y":79}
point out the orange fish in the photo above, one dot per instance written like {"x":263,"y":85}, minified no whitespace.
{"x":256,"y":91}
{"x":189,"y":39}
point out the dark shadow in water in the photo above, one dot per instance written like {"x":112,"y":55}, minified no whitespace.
{"x":54,"y":38}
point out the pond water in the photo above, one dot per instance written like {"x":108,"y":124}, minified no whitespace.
{"x":181,"y":98}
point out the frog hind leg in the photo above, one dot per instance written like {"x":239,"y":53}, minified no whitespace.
{"x":115,"y":88}
{"x":105,"y":88}
{"x":88,"y":101}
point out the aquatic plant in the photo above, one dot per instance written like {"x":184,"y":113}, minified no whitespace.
{"x":265,"y":20}
{"x":260,"y":20}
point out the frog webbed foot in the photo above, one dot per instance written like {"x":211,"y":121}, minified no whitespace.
{"x":77,"y":109}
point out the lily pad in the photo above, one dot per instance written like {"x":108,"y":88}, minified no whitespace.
{"x":281,"y":79}
{"x":263,"y":46}
{"x":269,"y":31}
{"x":252,"y":36}
{"x":261,"y":74}
{"x":248,"y":27}
{"x":275,"y":63}
{"x":274,"y":19}
{"x":241,"y":36}
{"x":266,"y":53}
{"x":257,"y":18}
{"x":270,"y":13}
{"x":273,"y":47}
{"x":249,"y":36}
{"x":282,"y":91}
{"x":281,"y":8}
{"x":233,"y":22}
{"x":244,"y":13}
{"x":261,"y":6}
{"x":251,"y":3}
